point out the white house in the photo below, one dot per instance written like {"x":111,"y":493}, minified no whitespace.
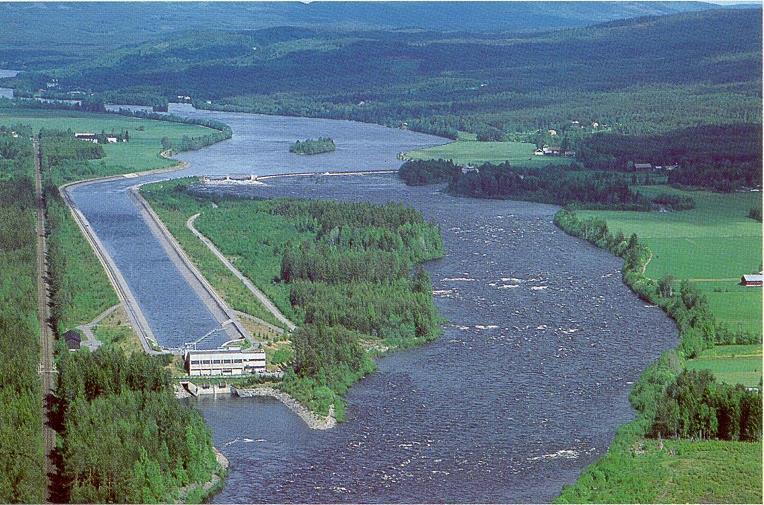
{"x":233,"y":361}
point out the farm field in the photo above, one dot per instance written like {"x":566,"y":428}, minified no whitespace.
{"x":733,"y":364}
{"x":712,"y":245}
{"x":139,"y":154}
{"x":471,"y":151}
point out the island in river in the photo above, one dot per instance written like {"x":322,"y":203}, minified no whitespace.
{"x":313,"y":146}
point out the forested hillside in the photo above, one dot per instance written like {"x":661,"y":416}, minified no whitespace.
{"x":636,"y":76}
{"x":45,"y":34}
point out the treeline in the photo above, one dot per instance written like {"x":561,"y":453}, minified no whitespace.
{"x":666,"y":398}
{"x":313,"y":146}
{"x":717,"y":157}
{"x":156,"y":102}
{"x":424,"y":172}
{"x":125,"y":438}
{"x":695,"y":406}
{"x":22,"y":476}
{"x":548,"y":185}
{"x":557,"y":185}
{"x":352,"y":283}
{"x":84,"y":104}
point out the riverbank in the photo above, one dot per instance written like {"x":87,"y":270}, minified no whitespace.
{"x":638,"y":468}
{"x":202,"y":493}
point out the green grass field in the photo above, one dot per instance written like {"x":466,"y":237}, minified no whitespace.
{"x":637,"y":470}
{"x":470,"y":151}
{"x":140,"y":154}
{"x":733,"y":364}
{"x":711,"y":245}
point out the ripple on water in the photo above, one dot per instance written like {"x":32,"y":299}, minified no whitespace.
{"x":506,"y":407}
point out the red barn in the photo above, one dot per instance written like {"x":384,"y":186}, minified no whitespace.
{"x":752,"y":280}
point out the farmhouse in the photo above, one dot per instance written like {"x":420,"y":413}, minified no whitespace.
{"x":752,"y":280}
{"x":552,"y":151}
{"x":232,"y":361}
{"x":538,"y":152}
{"x":111,"y":140}
{"x":90,"y":137}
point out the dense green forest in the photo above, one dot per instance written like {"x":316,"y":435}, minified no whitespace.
{"x":125,"y":438}
{"x":717,"y":157}
{"x":22,"y":477}
{"x":351,"y":280}
{"x":46,"y":35}
{"x":445,"y":82}
{"x":313,"y":146}
{"x":551,"y":184}
{"x":696,"y":406}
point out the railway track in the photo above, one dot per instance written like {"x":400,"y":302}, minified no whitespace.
{"x":47,"y":338}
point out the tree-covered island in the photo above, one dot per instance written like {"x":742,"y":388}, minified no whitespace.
{"x":313,"y":146}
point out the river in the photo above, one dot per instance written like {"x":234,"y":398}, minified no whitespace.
{"x":525,"y":388}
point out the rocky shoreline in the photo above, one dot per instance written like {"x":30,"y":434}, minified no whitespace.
{"x":314,"y":421}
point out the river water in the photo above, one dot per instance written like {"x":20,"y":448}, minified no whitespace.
{"x":524,"y":389}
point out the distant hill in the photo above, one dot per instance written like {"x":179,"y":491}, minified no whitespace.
{"x":639,"y":75}
{"x":41,"y":35}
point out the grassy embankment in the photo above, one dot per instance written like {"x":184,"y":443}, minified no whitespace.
{"x":639,"y":469}
{"x":468,"y":150}
{"x":85,"y":289}
{"x":174,"y":209}
{"x":711,"y":246}
{"x":342,"y":272}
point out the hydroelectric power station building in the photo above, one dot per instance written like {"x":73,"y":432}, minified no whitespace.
{"x":225,"y":362}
